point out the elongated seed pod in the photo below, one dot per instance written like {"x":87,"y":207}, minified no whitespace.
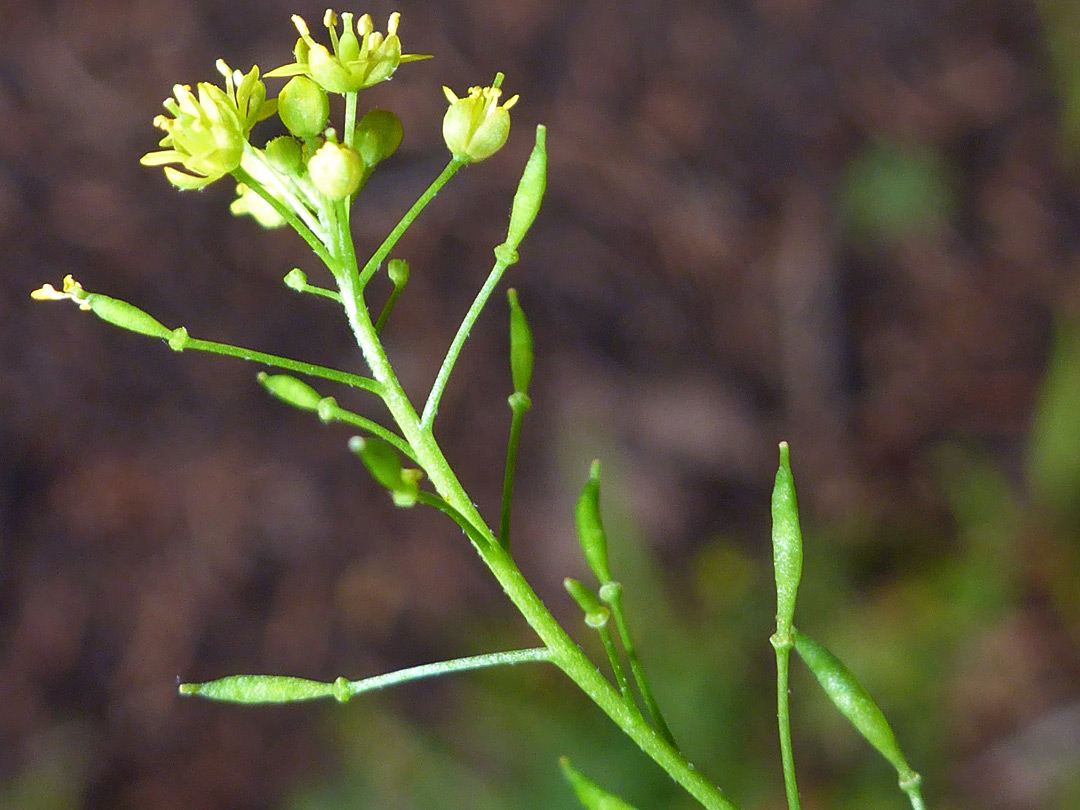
{"x":521,"y":345}
{"x":530,"y":191}
{"x":126,"y":316}
{"x":290,"y":390}
{"x":590,"y":526}
{"x":852,"y":699}
{"x":261,"y":689}
{"x":787,"y":544}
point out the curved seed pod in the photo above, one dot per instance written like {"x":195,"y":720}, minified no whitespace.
{"x":590,"y":526}
{"x":787,"y":545}
{"x":853,"y":701}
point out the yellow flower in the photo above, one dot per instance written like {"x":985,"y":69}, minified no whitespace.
{"x":207,"y":134}
{"x":476,"y":127}
{"x":359,"y":59}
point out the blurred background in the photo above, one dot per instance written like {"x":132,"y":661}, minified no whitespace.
{"x":851,"y":225}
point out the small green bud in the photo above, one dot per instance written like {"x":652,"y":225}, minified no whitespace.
{"x":290,"y":390}
{"x":590,"y":526}
{"x":286,"y":155}
{"x":476,"y":127}
{"x":378,"y":135}
{"x":296,"y":279}
{"x":530,"y":191}
{"x":303,"y":107}
{"x":596,"y":615}
{"x":336,"y":170}
{"x":787,"y":545}
{"x":384,"y":464}
{"x":264,"y":689}
{"x":853,"y":701}
{"x":521,"y":345}
{"x":398,"y":271}
{"x":590,"y":794}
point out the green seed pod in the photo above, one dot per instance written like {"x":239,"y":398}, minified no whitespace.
{"x":384,"y":464}
{"x":530,"y":191}
{"x":787,"y":545}
{"x":336,"y":170}
{"x":596,"y":615}
{"x":303,"y":107}
{"x":291,"y":390}
{"x":590,"y":526}
{"x":286,"y":155}
{"x":521,"y":345}
{"x":260,"y":689}
{"x":852,"y":699}
{"x":590,"y":794}
{"x":378,"y":135}
{"x":126,"y":316}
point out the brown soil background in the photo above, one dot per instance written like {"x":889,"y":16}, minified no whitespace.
{"x":694,"y":297}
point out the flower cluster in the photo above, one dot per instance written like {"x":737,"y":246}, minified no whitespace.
{"x":207,"y":134}
{"x":295,"y":177}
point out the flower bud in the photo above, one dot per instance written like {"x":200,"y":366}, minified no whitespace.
{"x":285,"y":154}
{"x":336,"y":170}
{"x":378,"y":135}
{"x":303,"y":107}
{"x":477,"y":126}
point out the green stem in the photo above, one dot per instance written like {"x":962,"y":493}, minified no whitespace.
{"x":783,"y":716}
{"x":335,"y":413}
{"x":431,"y":407}
{"x":311,"y":370}
{"x":613,"y":596}
{"x":565,"y":653}
{"x":446,"y":667}
{"x":519,"y":405}
{"x":384,"y":316}
{"x":617,"y":668}
{"x":410,"y":216}
{"x":350,"y":120}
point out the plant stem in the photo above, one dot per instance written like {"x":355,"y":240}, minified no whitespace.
{"x":286,"y":363}
{"x":519,"y":404}
{"x":565,"y":653}
{"x":431,"y":407}
{"x":783,"y":716}
{"x":410,"y":216}
{"x":446,"y":667}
